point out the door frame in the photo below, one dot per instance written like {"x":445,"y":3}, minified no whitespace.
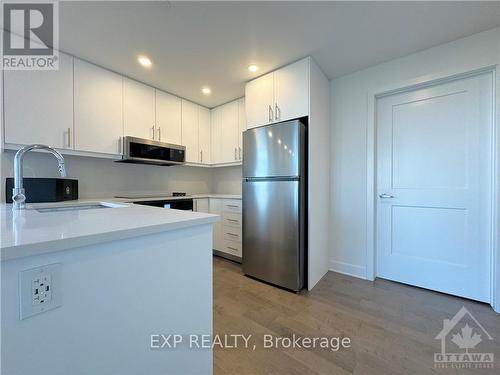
{"x":371,"y":161}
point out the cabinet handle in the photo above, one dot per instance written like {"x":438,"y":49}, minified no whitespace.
{"x":270,"y":114}
{"x":232,"y":234}
{"x":234,"y":221}
{"x":201,"y":156}
{"x":153,"y":130}
{"x":232,"y":205}
{"x":69,"y":137}
{"x":235,"y":152}
{"x":239,"y":152}
{"x":277,"y":112}
{"x":232,"y":248}
{"x":159,"y":133}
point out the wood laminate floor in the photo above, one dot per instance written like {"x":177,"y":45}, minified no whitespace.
{"x":392,"y":326}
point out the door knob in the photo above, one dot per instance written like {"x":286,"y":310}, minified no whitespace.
{"x":386,"y":196}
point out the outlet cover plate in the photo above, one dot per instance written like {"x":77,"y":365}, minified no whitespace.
{"x":39,"y":290}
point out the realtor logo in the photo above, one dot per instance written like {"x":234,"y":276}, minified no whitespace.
{"x":463,"y":332}
{"x":30,"y":39}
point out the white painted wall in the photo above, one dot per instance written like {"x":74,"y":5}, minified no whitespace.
{"x":319,"y":184}
{"x":226,"y":180}
{"x":105,"y":178}
{"x":349,"y":101}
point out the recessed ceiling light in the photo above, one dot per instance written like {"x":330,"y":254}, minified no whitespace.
{"x":253,"y":68}
{"x":145,"y":61}
{"x":206,"y":90}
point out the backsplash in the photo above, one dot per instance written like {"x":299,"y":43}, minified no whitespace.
{"x":105,"y":178}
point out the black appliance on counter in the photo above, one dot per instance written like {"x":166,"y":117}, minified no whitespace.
{"x":41,"y":190}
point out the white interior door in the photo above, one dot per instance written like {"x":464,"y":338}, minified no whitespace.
{"x":434,"y":152}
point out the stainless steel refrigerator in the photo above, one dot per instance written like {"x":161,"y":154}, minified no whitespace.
{"x":274,"y":203}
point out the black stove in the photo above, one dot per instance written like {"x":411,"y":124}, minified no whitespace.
{"x":178,"y":194}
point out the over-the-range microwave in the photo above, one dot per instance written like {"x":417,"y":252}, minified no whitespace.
{"x":147,"y":151}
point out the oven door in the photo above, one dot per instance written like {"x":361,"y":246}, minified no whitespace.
{"x":176,"y":204}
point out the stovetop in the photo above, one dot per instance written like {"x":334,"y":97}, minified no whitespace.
{"x":140,"y":196}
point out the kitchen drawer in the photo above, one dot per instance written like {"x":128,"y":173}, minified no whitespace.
{"x":231,"y":233}
{"x":231,"y":205}
{"x":230,"y":219}
{"x":233,"y":248}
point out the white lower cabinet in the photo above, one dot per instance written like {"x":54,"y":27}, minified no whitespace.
{"x":227,"y":239}
{"x":201,"y":205}
{"x":215,"y":207}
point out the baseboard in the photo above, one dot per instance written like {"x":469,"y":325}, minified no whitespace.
{"x":348,"y":269}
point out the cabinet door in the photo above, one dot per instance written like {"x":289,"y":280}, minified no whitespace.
{"x":98,"y":109}
{"x":204,"y":135}
{"x":201,"y":205}
{"x":190,"y":131}
{"x":242,"y":126}
{"x":38,"y":105}
{"x":259,"y":101}
{"x":215,"y":207}
{"x":229,"y":132}
{"x":215,"y":131}
{"x":138,"y":109}
{"x":291,"y":91}
{"x":168,"y":118}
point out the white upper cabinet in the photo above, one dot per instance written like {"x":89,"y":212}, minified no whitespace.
{"x":138,"y":109}
{"x":98,"y":109}
{"x":39,"y":105}
{"x":190,"y":131}
{"x":259,"y":101}
{"x":168,"y":118}
{"x":215,"y":131}
{"x":278,"y":96}
{"x":228,"y":123}
{"x":229,"y":132}
{"x":242,"y":126}
{"x":291,"y":91}
{"x":204,"y":137}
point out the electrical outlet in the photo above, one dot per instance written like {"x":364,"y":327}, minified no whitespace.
{"x":39,"y":290}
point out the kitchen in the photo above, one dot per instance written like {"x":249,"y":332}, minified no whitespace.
{"x":264,"y":163}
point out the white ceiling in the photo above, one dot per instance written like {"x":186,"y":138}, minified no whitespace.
{"x":193,"y":44}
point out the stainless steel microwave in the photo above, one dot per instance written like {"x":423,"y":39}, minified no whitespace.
{"x":147,"y":151}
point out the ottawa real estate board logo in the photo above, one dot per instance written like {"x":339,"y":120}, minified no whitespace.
{"x":31,"y":35}
{"x":465,"y":343}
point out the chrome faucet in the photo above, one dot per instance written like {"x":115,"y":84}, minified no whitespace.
{"x":18,"y":197}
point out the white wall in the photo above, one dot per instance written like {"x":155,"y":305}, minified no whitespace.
{"x":226,"y":180}
{"x":349,"y":106}
{"x":105,"y":178}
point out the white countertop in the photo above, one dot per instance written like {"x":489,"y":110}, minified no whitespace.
{"x":30,"y":232}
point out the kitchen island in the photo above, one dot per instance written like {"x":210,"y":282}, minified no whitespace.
{"x":126,"y":276}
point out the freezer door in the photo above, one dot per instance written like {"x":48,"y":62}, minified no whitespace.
{"x":273,"y":150}
{"x":272,"y":232}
